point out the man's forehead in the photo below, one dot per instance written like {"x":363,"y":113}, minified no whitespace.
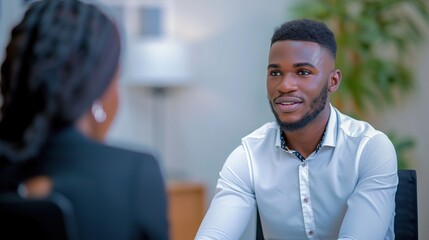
{"x":298,"y":51}
{"x":294,"y":49}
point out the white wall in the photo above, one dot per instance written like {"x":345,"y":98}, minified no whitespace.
{"x":10,"y":13}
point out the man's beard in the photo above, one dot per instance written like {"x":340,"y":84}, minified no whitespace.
{"x":317,"y":106}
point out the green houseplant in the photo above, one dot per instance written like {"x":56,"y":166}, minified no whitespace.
{"x":374,"y":39}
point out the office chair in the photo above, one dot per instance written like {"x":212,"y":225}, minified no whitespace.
{"x":406,"y":221}
{"x":48,"y":219}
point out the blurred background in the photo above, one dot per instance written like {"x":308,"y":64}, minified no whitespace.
{"x":193,"y":80}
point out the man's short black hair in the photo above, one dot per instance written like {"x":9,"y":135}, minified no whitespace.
{"x":306,"y":30}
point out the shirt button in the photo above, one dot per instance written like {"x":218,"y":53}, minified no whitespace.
{"x":305,"y":200}
{"x":303,"y":164}
{"x":311,"y":232}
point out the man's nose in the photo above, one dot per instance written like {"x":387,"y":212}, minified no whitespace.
{"x":288,"y":84}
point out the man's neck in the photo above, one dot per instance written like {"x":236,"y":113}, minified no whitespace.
{"x":306,"y":140}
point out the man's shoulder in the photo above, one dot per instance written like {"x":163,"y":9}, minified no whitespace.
{"x":263,"y":131}
{"x":353,"y":127}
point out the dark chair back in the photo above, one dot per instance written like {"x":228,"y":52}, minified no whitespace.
{"x":49,"y":218}
{"x":406,"y":221}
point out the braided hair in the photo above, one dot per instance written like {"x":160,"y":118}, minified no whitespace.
{"x":60,"y":58}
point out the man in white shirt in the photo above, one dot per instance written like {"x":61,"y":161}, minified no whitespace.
{"x":315,"y":173}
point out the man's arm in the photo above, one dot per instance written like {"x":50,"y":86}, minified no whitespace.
{"x":371,"y":206}
{"x":233,"y":205}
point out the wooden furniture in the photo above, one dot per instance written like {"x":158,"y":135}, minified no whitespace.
{"x":187,"y":206}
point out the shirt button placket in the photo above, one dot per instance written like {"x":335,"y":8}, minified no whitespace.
{"x":306,"y":201}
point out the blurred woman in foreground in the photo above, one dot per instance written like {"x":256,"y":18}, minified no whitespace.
{"x":59,"y":96}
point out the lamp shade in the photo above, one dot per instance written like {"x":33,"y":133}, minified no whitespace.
{"x":157,"y":63}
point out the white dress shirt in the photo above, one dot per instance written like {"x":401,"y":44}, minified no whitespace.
{"x":344,"y":191}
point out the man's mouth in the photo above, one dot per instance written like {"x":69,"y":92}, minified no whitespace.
{"x":288,"y":104}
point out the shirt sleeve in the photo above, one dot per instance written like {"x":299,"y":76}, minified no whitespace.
{"x":234,"y":202}
{"x":371,"y":207}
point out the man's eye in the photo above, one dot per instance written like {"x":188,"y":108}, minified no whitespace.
{"x":275,"y":73}
{"x":304,"y":72}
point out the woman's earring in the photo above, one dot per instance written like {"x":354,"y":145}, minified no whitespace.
{"x":98,"y":112}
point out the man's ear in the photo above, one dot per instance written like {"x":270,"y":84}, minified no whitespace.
{"x":334,"y":80}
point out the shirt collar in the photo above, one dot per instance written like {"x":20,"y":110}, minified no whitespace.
{"x":284,"y":146}
{"x":331,"y":129}
{"x":329,"y":137}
